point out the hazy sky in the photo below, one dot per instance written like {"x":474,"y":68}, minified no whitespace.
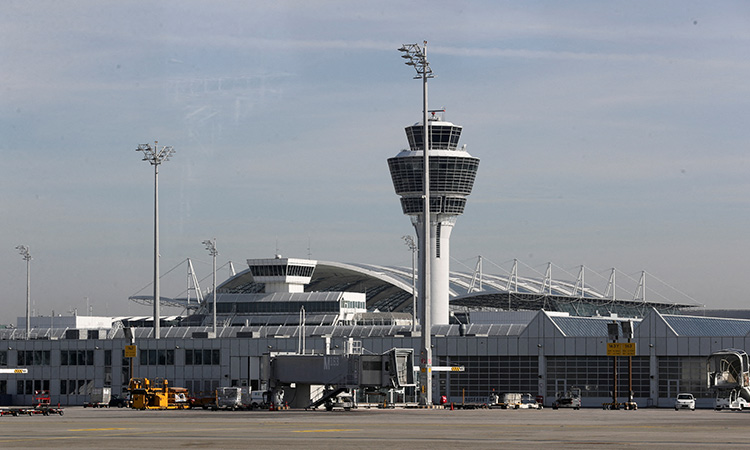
{"x":611,"y":134}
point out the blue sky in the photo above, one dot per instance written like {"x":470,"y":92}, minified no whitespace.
{"x":611,"y":134}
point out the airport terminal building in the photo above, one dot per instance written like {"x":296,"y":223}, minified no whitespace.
{"x":505,"y":341}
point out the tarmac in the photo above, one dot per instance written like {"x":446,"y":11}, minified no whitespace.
{"x":377,"y":428}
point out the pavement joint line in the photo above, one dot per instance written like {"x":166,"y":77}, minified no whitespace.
{"x":327,"y":431}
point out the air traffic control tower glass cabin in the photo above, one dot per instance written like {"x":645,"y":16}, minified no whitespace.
{"x":452,"y":174}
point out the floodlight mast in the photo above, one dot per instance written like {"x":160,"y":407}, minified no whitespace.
{"x":211,"y":247}
{"x":409,"y":241}
{"x":155,"y":157}
{"x":416,"y":57}
{"x":24,"y":251}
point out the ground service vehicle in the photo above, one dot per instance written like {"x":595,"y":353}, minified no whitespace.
{"x":156,"y":394}
{"x":729,"y":377}
{"x":529,"y":402}
{"x":684,"y":401}
{"x":99,"y":398}
{"x":568,"y":399}
{"x":42,"y":406}
{"x":508,"y":400}
{"x":255,"y":399}
{"x":229,"y":398}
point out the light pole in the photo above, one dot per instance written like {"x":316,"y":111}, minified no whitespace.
{"x":409,"y":241}
{"x":24,"y":251}
{"x":155,"y":156}
{"x":211,"y":247}
{"x":416,"y":56}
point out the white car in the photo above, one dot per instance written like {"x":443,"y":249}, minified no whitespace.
{"x":684,"y":401}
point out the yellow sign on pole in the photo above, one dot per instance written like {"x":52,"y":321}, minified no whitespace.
{"x":131,"y":351}
{"x":621,"y":349}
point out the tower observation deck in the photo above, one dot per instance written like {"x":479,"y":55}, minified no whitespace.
{"x":452,"y":174}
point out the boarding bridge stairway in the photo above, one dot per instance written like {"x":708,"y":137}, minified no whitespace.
{"x":328,"y":395}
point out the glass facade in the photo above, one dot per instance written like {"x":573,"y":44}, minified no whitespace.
{"x":484,"y":375}
{"x":279,"y":270}
{"x":448,"y":174}
{"x":331,"y":307}
{"x":442,"y":137}
{"x":679,"y":374}
{"x":594,"y":375}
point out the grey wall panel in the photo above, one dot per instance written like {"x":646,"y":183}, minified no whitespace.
{"x":672,"y":347}
{"x":481,"y":346}
{"x":452,"y":347}
{"x":683,"y":347}
{"x":493,"y":346}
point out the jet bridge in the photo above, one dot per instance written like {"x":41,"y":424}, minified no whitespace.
{"x":319,"y":378}
{"x":729,"y":377}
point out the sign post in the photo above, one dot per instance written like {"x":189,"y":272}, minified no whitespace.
{"x":131,"y":351}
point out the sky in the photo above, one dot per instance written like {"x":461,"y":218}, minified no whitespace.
{"x":610,"y":134}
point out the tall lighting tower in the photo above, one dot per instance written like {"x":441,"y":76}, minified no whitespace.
{"x":433,"y":178}
{"x":211,"y":247}
{"x":155,"y":157}
{"x":24,"y":251}
{"x":409,"y":241}
{"x":416,"y":57}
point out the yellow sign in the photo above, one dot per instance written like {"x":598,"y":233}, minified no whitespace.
{"x":131,"y":351}
{"x":621,"y":349}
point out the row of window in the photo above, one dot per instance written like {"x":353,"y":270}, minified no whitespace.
{"x":274,"y":270}
{"x":276,"y":307}
{"x":198,"y":388}
{"x":202,"y":357}
{"x":156,"y":357}
{"x":447,"y":174}
{"x":76,"y":387}
{"x":86,"y":357}
{"x":206,"y":357}
{"x":29,"y":387}
{"x":444,"y":137}
{"x":438,"y":204}
{"x":76,"y":357}
{"x":33,"y":357}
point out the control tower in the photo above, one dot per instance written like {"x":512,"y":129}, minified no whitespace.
{"x":452,"y":174}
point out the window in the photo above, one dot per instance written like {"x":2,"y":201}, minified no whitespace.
{"x":3,"y":358}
